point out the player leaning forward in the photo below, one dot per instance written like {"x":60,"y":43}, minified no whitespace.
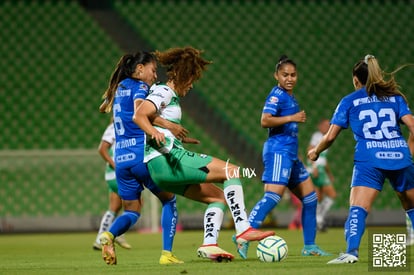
{"x":186,"y":173}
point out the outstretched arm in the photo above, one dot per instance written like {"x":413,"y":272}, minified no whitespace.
{"x":327,"y":140}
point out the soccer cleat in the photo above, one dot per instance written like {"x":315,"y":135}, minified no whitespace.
{"x":313,"y":250}
{"x":120,"y":240}
{"x":97,"y":246}
{"x":344,"y":258}
{"x":242,"y":248}
{"x":108,"y":248}
{"x":250,"y":234}
{"x":168,"y":258}
{"x":215,"y":253}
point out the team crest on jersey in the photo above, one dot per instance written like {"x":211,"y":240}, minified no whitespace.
{"x":143,"y":87}
{"x":273,"y":99}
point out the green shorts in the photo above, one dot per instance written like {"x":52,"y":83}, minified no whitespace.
{"x":112,"y":186}
{"x":175,"y":171}
{"x":322,"y":179}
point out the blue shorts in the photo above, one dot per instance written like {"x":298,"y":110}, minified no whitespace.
{"x":132,"y":180}
{"x":281,"y":168}
{"x":400,"y":180}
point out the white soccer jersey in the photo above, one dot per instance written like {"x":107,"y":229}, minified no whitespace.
{"x":168,"y":107}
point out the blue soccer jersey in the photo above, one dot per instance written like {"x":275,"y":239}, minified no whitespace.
{"x":376,"y":127}
{"x":285,"y":137}
{"x":129,"y":137}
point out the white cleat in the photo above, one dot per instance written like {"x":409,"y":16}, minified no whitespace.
{"x":344,"y":258}
{"x":215,"y":253}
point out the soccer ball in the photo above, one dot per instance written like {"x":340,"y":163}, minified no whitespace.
{"x":272,"y":249}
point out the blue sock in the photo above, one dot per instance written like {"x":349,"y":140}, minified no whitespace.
{"x":124,"y":222}
{"x":262,"y":208}
{"x":354,"y":229}
{"x":309,"y":203}
{"x":169,"y":218}
{"x":410,"y":214}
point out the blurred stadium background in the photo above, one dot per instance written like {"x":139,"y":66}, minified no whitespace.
{"x":57,"y":57}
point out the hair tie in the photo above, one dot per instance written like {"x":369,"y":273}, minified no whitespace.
{"x":367,"y":57}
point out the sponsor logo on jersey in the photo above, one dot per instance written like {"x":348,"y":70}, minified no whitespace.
{"x":125,"y":157}
{"x":389,"y":155}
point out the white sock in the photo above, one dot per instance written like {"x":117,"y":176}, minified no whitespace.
{"x":233,"y":192}
{"x":106,"y":222}
{"x":319,"y":218}
{"x":326,"y":204}
{"x":213,"y":218}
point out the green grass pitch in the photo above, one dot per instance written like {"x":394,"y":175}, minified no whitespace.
{"x":71,"y":253}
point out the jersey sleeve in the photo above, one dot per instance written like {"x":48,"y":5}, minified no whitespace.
{"x":140,"y":91}
{"x":272,"y":103}
{"x":403,"y":107}
{"x":109,"y":134}
{"x":341,"y":114}
{"x":160,"y":97}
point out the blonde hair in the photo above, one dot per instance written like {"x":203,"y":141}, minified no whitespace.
{"x":370,"y":74}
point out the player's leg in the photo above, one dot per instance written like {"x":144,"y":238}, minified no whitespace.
{"x":228,"y":173}
{"x":403,"y":184}
{"x":361,"y":199}
{"x":308,"y":197}
{"x":169,"y":218}
{"x":108,"y":217}
{"x":325,"y":205}
{"x":213,"y":218}
{"x":130,"y":192}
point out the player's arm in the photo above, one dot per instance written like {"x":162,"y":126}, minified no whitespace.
{"x":268,"y":120}
{"x":142,"y":117}
{"x":103,"y":150}
{"x":326,"y":141}
{"x":176,"y":129}
{"x":409,"y":121}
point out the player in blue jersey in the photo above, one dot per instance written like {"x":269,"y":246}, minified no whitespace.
{"x":186,"y":173}
{"x":128,"y":87}
{"x":374,"y":112}
{"x":282,"y":166}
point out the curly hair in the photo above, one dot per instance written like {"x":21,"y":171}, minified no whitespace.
{"x":184,"y":65}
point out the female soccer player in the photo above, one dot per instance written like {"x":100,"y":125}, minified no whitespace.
{"x":282,"y":166}
{"x":374,"y":112}
{"x":128,"y":87}
{"x":186,"y":173}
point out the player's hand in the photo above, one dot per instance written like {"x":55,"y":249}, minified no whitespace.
{"x":312,"y":154}
{"x":190,"y":140}
{"x":178,"y":131}
{"x":300,"y":117}
{"x":159,"y":138}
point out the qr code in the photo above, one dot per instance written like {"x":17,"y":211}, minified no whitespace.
{"x":389,"y":250}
